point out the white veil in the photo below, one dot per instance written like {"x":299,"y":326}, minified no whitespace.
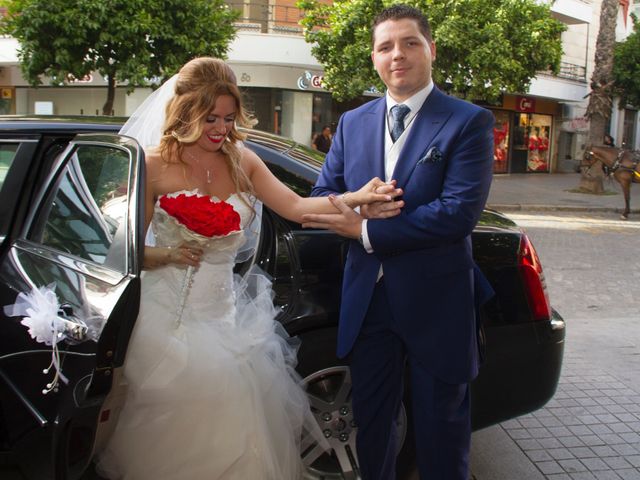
{"x":146,"y":124}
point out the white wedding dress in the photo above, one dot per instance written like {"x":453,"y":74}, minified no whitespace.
{"x":212,"y":395}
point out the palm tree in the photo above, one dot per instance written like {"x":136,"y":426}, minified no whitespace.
{"x":600,"y":98}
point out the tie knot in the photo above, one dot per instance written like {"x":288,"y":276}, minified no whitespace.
{"x":398,"y":112}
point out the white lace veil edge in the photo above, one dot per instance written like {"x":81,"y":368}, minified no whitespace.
{"x":146,"y":126}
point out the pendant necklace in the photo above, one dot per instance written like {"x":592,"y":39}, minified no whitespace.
{"x":197,"y":160}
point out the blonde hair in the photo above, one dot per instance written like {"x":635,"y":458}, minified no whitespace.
{"x":200,"y":82}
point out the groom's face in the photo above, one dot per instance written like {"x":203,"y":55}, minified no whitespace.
{"x":402,"y":56}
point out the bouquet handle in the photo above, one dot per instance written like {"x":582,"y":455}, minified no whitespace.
{"x":184,"y":291}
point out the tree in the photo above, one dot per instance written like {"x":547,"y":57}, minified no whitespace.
{"x":484,"y":47}
{"x":600,"y":98}
{"x":133,"y":41}
{"x":626,"y":67}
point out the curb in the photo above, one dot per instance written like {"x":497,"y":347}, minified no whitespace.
{"x":557,"y":208}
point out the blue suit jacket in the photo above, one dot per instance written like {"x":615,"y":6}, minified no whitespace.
{"x":432,"y":283}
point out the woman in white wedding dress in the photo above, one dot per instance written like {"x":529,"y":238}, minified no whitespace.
{"x":212,"y":389}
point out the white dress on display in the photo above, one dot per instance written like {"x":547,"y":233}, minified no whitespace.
{"x":212,"y":389}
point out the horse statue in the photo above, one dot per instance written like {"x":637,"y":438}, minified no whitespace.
{"x":623,"y":165}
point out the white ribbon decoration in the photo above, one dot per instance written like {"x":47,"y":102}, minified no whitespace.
{"x":41,"y":311}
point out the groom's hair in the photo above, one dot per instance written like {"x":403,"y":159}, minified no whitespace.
{"x":399,"y":12}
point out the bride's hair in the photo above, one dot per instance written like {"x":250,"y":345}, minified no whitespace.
{"x":199,"y":84}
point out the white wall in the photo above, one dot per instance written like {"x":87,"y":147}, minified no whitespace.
{"x":272,"y":49}
{"x":69,"y":100}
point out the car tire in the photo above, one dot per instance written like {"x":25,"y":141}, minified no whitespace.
{"x":327,"y":380}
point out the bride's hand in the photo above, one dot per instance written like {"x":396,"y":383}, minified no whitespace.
{"x":374,"y":191}
{"x":184,"y":255}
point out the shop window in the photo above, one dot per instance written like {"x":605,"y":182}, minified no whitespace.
{"x":501,"y":142}
{"x":533,"y":134}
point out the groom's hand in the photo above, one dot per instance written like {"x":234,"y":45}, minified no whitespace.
{"x":381,"y":209}
{"x":386,"y":209}
{"x":346,"y":223}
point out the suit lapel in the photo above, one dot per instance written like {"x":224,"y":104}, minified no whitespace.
{"x":428,"y":122}
{"x":373,"y":144}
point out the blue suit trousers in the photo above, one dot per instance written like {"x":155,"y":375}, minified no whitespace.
{"x":440,"y":410}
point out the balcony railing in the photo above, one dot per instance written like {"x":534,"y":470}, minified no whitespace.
{"x":265,"y":18}
{"x":571,"y":71}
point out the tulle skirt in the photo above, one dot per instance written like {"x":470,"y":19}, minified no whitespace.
{"x":213,"y":395}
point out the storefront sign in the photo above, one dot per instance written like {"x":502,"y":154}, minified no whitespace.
{"x":525,"y":104}
{"x":579,"y":124}
{"x":308,"y":79}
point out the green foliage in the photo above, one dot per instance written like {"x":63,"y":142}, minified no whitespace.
{"x":626,"y":67}
{"x":130,"y":41}
{"x":484,"y":47}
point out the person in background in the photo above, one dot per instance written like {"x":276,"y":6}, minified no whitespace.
{"x":322,"y":141}
{"x":608,"y":141}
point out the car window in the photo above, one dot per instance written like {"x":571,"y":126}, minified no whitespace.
{"x":85,"y":214}
{"x":7,"y":154}
{"x":296,"y":183}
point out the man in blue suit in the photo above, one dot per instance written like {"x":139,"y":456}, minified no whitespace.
{"x":411,"y":289}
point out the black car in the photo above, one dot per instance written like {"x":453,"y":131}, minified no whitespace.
{"x":71,"y":214}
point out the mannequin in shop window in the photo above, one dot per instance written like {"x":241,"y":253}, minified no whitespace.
{"x":538,"y":146}
{"x":543,"y":149}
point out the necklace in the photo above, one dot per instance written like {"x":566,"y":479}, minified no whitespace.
{"x":197,"y":160}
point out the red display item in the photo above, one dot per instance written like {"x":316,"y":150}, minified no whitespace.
{"x":543,"y":144}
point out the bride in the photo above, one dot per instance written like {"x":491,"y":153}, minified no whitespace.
{"x":213,"y":393}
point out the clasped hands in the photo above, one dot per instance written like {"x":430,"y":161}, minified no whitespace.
{"x":376,"y":199}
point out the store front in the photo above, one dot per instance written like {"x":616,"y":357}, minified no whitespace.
{"x":298,"y":107}
{"x":523,"y":135}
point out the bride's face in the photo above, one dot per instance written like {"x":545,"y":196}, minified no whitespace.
{"x":217,"y":125}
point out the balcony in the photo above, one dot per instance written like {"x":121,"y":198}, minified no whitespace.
{"x":571,"y":71}
{"x":261,"y":17}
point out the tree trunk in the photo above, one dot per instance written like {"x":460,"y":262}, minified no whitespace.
{"x":107,"y":109}
{"x":600,"y":99}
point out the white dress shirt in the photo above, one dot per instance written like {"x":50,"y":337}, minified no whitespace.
{"x":392,"y":149}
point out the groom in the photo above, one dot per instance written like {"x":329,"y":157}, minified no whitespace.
{"x":411,"y":288}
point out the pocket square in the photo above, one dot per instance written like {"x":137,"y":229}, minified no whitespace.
{"x":433,"y":155}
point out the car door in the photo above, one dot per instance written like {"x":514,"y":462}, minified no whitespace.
{"x":81,"y":238}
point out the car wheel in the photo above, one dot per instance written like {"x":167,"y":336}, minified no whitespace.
{"x":328,"y":384}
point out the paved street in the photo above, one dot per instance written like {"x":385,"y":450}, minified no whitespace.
{"x":591,"y":428}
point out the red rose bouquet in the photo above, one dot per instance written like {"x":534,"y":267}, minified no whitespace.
{"x":201,"y":215}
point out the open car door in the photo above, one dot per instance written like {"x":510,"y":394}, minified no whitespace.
{"x":82,"y":241}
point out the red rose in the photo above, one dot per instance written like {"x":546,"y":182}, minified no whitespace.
{"x":201,"y":215}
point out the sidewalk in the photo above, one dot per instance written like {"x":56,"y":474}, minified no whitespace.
{"x":552,"y":191}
